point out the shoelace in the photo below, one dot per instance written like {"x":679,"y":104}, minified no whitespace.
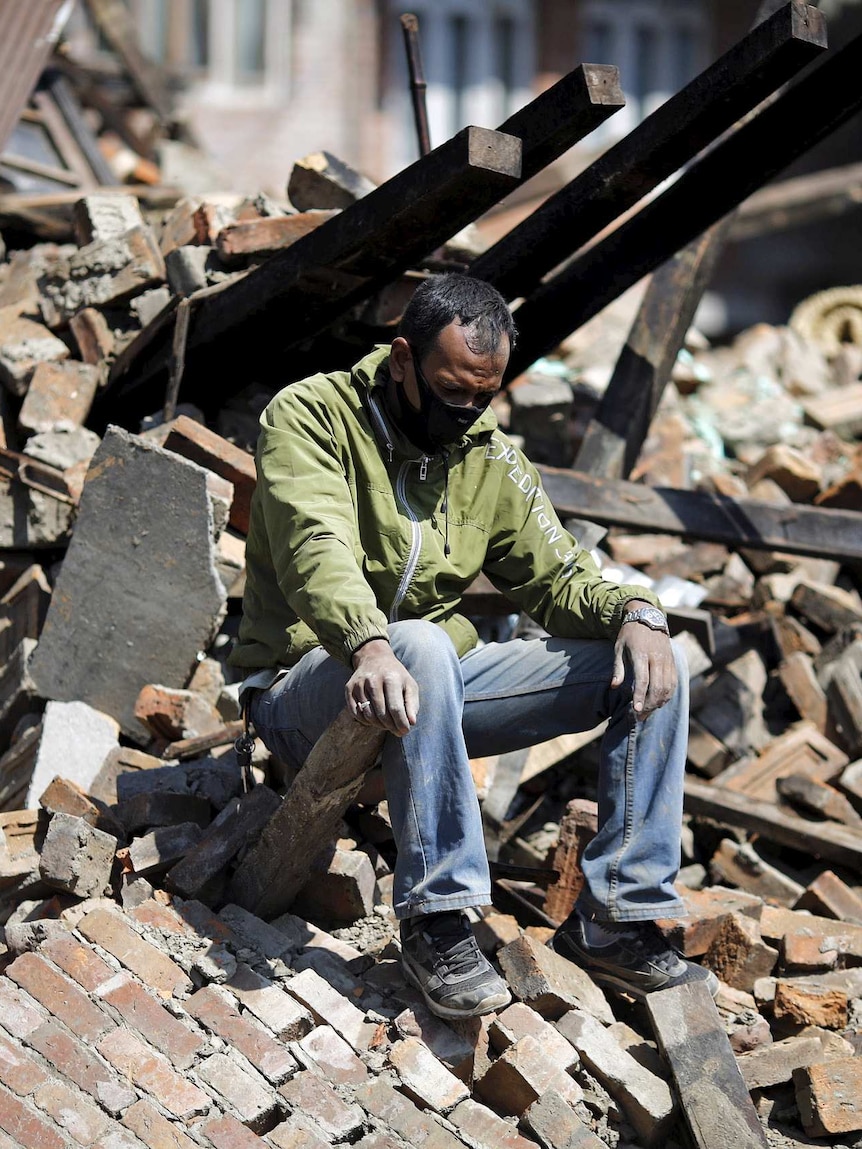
{"x":455,"y":945}
{"x":650,"y":944}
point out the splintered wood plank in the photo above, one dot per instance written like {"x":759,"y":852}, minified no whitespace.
{"x":280,"y":862}
{"x":828,"y":840}
{"x":713,"y":1096}
{"x":800,"y":750}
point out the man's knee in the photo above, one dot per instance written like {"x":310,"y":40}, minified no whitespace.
{"x":418,"y":643}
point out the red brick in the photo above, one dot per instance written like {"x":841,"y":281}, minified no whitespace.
{"x":150,"y":1071}
{"x":333,"y":1057}
{"x":270,"y":1004}
{"x":312,"y":1098}
{"x":59,"y":392}
{"x":241,"y":1090}
{"x":329,"y":1006}
{"x":108,"y":930}
{"x":142,"y":1012}
{"x":60,"y":996}
{"x":79,"y":961}
{"x":196,"y":442}
{"x":485,"y":1128}
{"x":165,"y":918}
{"x":382,"y":1100}
{"x":81,"y":1119}
{"x":17,"y":1014}
{"x":828,"y":1097}
{"x":155,"y":1130}
{"x":291,"y":1135}
{"x":228,"y":1133}
{"x":76,"y":1062}
{"x":249,"y":1037}
{"x":27,"y":1128}
{"x":19,"y":1072}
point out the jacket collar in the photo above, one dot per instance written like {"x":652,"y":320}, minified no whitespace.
{"x":370,"y":375}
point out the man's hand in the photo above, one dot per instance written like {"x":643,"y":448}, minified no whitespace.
{"x":381,"y":692}
{"x":651,"y":658}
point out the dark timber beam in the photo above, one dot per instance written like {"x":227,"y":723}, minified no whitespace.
{"x":564,"y":113}
{"x":713,"y":186}
{"x":301,"y":290}
{"x":616,"y":433}
{"x":796,"y":529}
{"x":799,"y":201}
{"x":736,"y":83}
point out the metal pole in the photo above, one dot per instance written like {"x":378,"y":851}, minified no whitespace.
{"x":410,"y":28}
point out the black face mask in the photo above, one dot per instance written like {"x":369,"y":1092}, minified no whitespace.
{"x":440,"y":424}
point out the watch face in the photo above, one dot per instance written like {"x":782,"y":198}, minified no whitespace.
{"x":652,"y":616}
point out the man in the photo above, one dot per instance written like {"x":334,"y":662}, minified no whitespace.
{"x":381,"y":494}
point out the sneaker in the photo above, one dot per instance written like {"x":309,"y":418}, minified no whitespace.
{"x":442,"y":960}
{"x":638,"y":960}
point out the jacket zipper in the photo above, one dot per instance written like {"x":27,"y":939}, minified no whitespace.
{"x":401,"y":495}
{"x":381,"y":426}
{"x":415,"y":542}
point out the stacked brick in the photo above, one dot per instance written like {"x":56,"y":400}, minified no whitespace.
{"x":111,"y":1035}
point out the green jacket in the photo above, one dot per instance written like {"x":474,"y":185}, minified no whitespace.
{"x":348,"y":528}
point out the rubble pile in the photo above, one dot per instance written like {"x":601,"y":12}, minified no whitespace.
{"x":142,"y":1005}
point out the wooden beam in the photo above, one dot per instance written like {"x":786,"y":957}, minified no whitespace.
{"x":564,"y":113}
{"x":117,"y":24}
{"x":830,"y":840}
{"x":299,"y":291}
{"x":713,"y":1097}
{"x":713,"y":186}
{"x":280,"y":862}
{"x":28,"y":34}
{"x":763,"y":60}
{"x":616,"y":433}
{"x":800,"y":201}
{"x":793,"y":528}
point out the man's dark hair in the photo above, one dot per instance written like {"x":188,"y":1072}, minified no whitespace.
{"x":445,"y":299}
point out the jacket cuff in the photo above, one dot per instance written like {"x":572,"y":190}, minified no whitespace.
{"x":625,"y":594}
{"x":352,"y":641}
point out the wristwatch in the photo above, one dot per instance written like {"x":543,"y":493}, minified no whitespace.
{"x":650,"y":616}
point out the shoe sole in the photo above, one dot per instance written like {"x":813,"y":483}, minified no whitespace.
{"x":489,"y":1005}
{"x":639,"y":992}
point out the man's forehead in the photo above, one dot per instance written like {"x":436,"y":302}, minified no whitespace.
{"x":459,"y":343}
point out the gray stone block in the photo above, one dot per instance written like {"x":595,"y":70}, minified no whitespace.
{"x":76,"y":740}
{"x":77,"y":857}
{"x":138,"y":594}
{"x":210,"y":778}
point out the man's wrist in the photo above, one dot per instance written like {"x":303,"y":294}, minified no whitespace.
{"x":645,"y":613}
{"x":368,"y":648}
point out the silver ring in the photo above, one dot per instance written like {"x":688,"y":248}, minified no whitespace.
{"x":364,"y":706}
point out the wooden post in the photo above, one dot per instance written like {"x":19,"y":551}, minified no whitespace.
{"x":715,"y":1100}
{"x":617,"y":431}
{"x":763,"y":60}
{"x":280,"y":863}
{"x":713,"y":186}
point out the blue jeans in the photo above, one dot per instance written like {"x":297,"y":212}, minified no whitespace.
{"x":498,"y":698}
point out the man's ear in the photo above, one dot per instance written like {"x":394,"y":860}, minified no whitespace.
{"x":399,"y":357}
